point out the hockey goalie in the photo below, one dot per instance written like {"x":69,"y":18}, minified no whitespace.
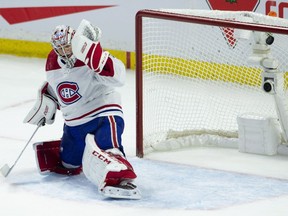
{"x":81,"y":81}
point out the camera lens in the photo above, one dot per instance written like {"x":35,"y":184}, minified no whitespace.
{"x":270,"y":40}
{"x":268,"y":86}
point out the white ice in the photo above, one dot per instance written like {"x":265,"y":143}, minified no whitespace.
{"x":197,"y":181}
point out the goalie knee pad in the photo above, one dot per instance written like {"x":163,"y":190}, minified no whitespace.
{"x":105,"y":168}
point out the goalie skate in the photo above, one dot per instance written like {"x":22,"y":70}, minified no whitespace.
{"x":122,"y":191}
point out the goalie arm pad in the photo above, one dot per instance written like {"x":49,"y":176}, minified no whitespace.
{"x":87,"y":48}
{"x":45,"y":107}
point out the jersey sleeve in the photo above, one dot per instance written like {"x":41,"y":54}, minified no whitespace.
{"x":51,"y":62}
{"x":113,"y":73}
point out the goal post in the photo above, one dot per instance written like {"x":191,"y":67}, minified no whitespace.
{"x":198,"y":70}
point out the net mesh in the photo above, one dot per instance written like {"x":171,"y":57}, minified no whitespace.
{"x":198,"y":78}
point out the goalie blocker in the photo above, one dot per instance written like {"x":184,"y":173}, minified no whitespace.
{"x":45,"y":108}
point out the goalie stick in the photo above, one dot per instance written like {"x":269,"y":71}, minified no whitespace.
{"x":5,"y":170}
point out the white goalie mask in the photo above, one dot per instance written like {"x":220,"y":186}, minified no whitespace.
{"x":61,"y":42}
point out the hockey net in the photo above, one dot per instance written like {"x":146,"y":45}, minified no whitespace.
{"x":195,"y":76}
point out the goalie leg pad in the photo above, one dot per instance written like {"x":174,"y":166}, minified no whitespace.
{"x":47,"y":155}
{"x":105,"y":168}
{"x":48,"y":159}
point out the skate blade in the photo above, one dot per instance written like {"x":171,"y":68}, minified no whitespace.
{"x":119,"y":193}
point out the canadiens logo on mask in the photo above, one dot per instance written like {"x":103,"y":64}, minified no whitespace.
{"x":68,"y":92}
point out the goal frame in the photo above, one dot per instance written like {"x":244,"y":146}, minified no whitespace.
{"x":182,"y":18}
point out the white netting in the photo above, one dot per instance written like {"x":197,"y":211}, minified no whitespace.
{"x":197,"y":78}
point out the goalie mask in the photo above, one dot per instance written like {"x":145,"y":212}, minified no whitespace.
{"x":61,"y":42}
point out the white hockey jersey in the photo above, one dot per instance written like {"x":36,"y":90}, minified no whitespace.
{"x":82,"y":93}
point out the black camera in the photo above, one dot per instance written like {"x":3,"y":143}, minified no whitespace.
{"x":269,"y":39}
{"x":269,"y":82}
{"x":268,"y":86}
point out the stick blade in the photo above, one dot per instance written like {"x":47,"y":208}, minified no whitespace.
{"x":5,"y":170}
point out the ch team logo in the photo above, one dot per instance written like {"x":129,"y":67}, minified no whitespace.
{"x":68,"y":92}
{"x":232,"y":5}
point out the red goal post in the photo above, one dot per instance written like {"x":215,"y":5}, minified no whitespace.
{"x":204,"y":40}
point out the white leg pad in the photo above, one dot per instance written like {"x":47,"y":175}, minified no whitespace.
{"x":98,"y":163}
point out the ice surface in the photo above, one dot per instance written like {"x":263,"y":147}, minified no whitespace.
{"x":195,"y":181}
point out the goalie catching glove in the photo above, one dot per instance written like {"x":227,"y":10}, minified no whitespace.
{"x":87,"y":48}
{"x":44,"y":108}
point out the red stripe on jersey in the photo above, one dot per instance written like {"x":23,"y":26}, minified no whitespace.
{"x":113,"y":132}
{"x":95,"y":110}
